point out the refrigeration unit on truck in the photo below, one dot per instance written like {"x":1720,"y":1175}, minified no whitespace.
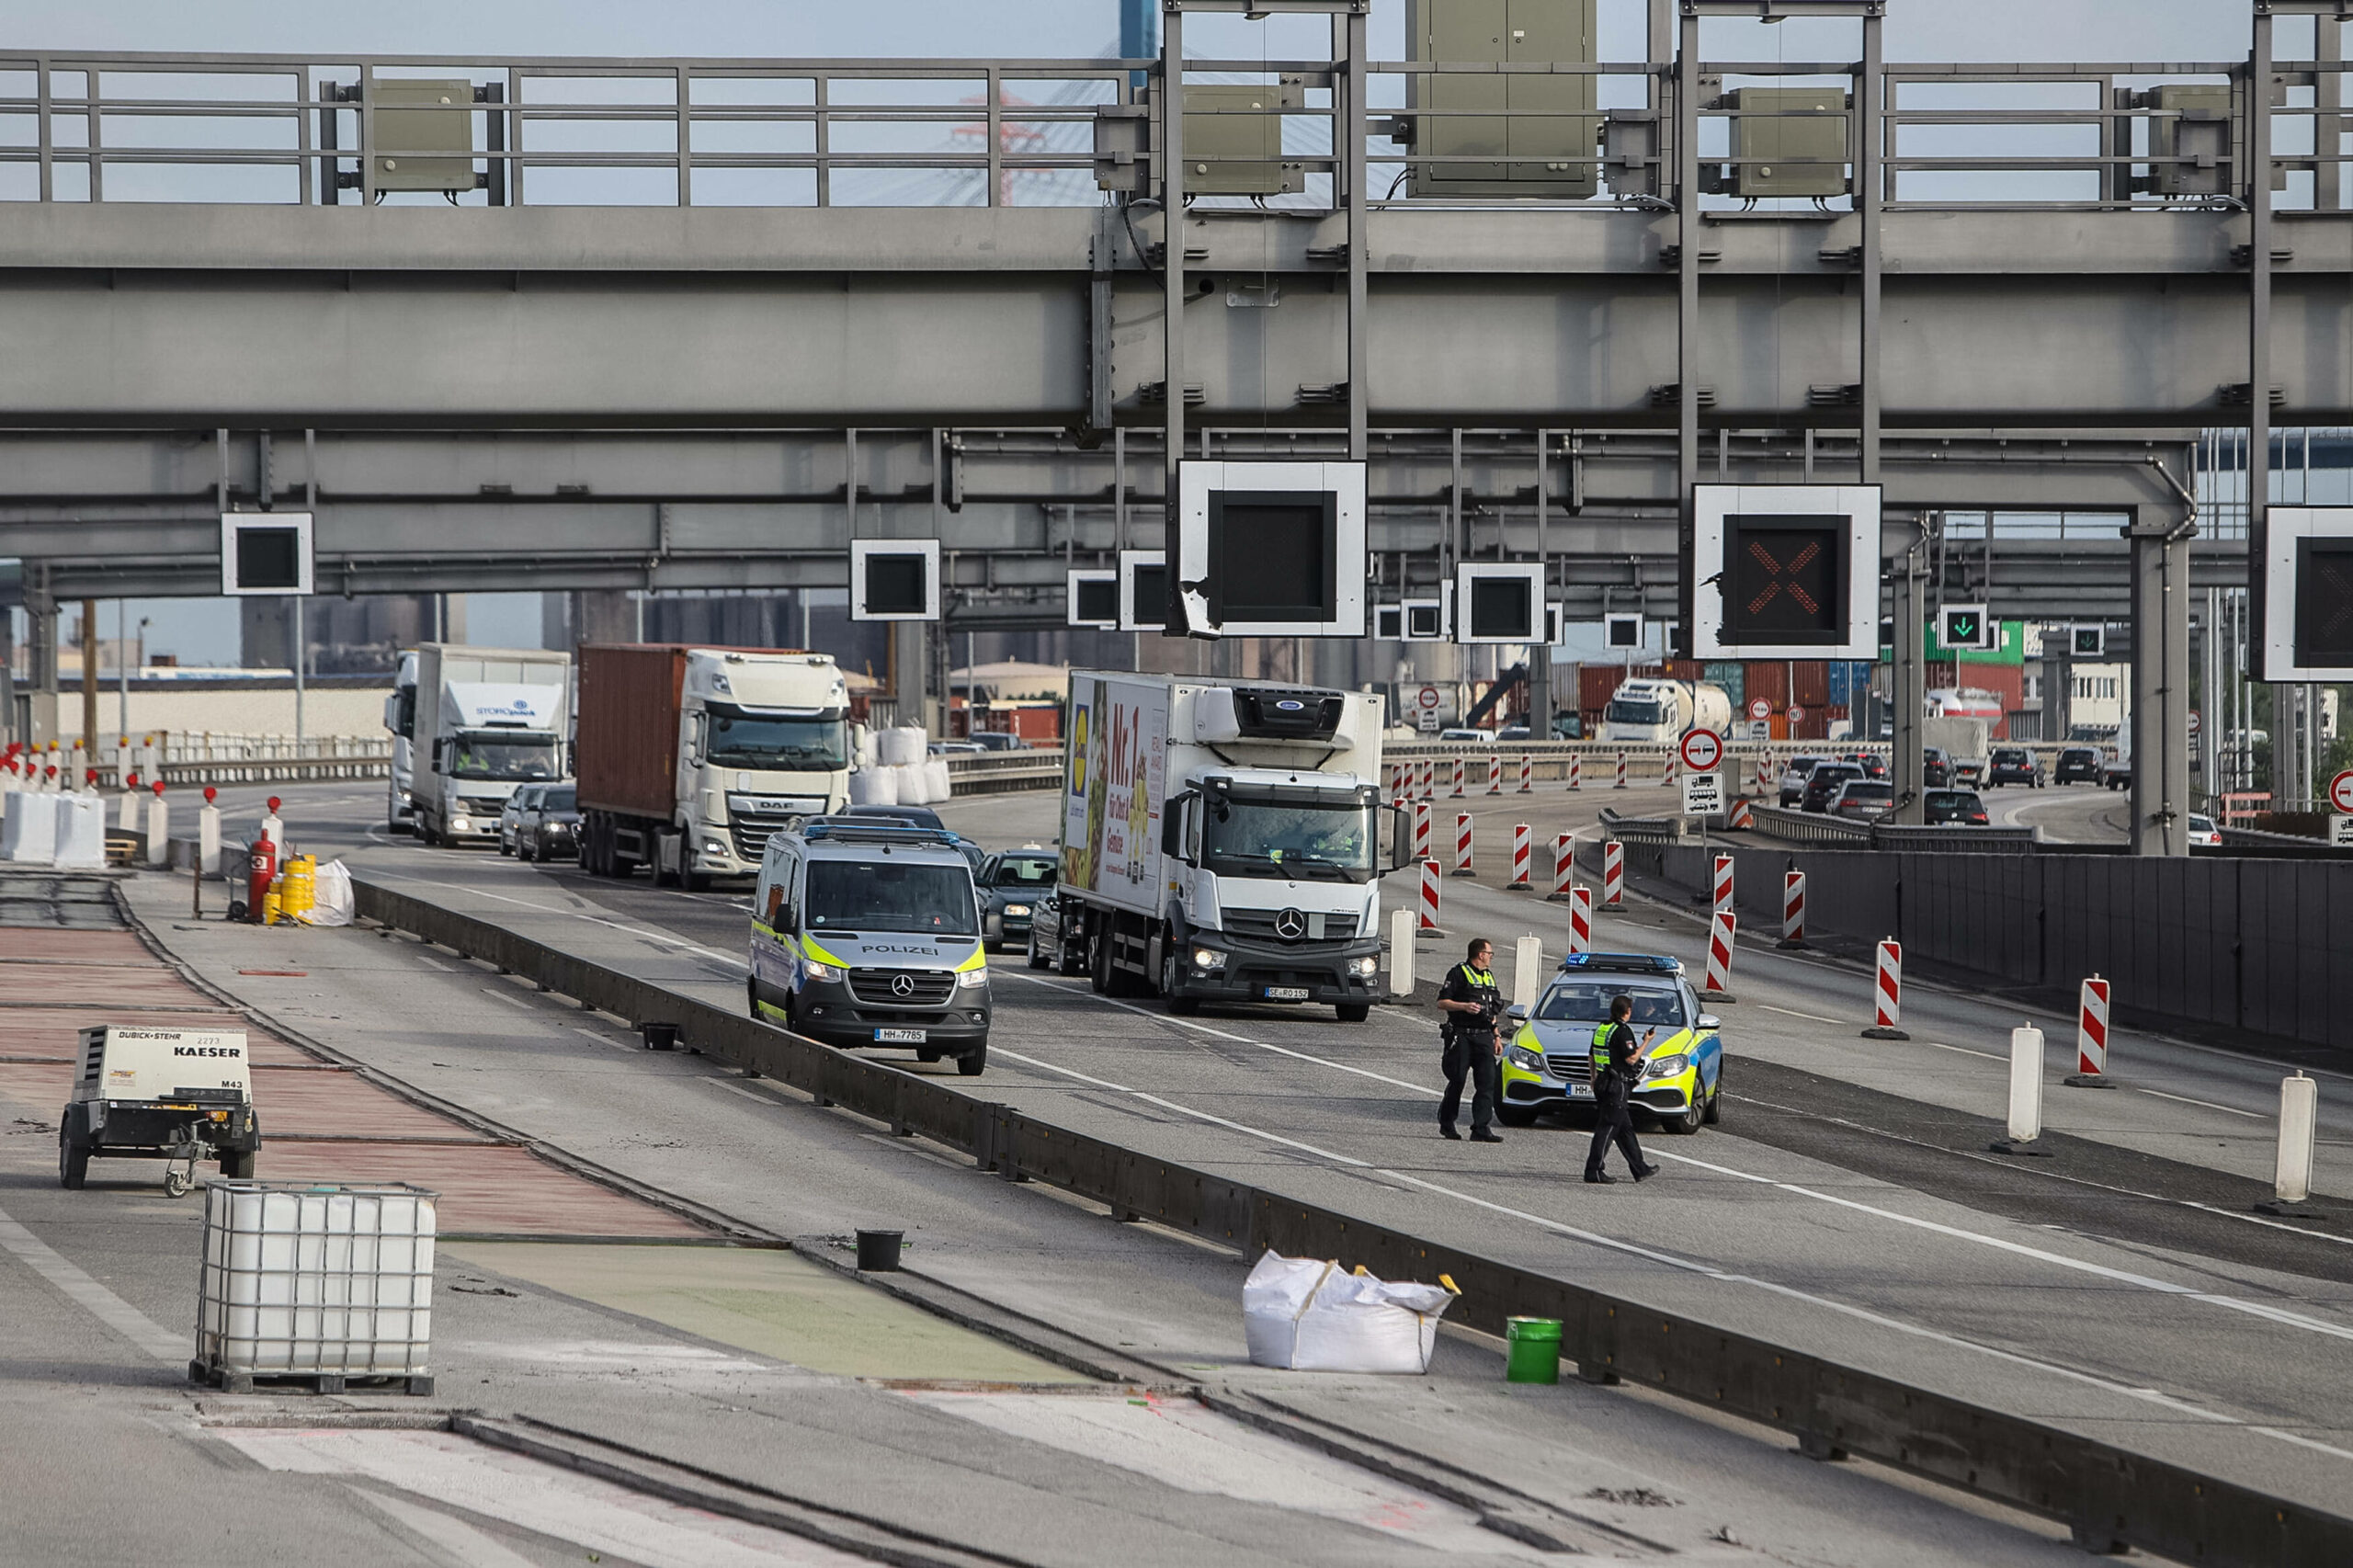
{"x":489,"y":720}
{"x":1223,"y":842}
{"x":1659,"y":712}
{"x":690,"y":759}
{"x":400,"y":718}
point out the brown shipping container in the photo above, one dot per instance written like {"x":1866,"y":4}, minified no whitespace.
{"x":1809,"y":684}
{"x":1769,"y":678}
{"x":1594,"y":685}
{"x":627,"y":751}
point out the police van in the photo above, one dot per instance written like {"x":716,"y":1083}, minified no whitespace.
{"x":868,"y":933}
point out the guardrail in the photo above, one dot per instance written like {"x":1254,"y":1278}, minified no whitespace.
{"x":1000,"y":772}
{"x":2108,"y":1496}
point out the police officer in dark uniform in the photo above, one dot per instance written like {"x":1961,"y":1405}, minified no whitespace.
{"x":1615,"y":1065}
{"x":1471,"y":1004}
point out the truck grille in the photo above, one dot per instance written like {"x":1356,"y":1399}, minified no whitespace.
{"x":1259,"y":924}
{"x":480,"y":805}
{"x":874,"y":987}
{"x":750,"y":832}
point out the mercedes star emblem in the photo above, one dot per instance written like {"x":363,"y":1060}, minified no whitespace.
{"x":1290,"y":925}
{"x":902,"y":986}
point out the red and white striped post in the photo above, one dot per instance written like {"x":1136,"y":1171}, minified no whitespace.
{"x":1463,"y":844}
{"x":1523,"y":852}
{"x":1527,"y":774}
{"x":1576,"y":770}
{"x":1794,"y":909}
{"x":1565,"y":866}
{"x":1764,"y":773}
{"x":1674,"y":768}
{"x":1722,"y":901}
{"x":1621,"y":770}
{"x":1740,"y":816}
{"x":1457,"y":777}
{"x":1581,"y":920}
{"x":1887,"y":989}
{"x":1613,"y":874}
{"x":1429,"y":895}
{"x":1429,"y":778}
{"x":1495,"y":773}
{"x":1421,"y":830}
{"x":1720,"y":927}
{"x":2091,"y":1036}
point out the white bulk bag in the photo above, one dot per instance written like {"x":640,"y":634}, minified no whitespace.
{"x":1305,"y":1314}
{"x":901,"y":748}
{"x":331,"y":895}
{"x":915,"y":785}
{"x":936,"y":781}
{"x":874,"y":787}
{"x":81,"y":832}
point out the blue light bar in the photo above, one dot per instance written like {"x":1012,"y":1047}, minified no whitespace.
{"x":1624,"y":963}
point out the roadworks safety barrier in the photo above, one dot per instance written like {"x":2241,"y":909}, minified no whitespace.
{"x":2110,"y":1497}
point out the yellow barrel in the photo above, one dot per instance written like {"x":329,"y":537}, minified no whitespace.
{"x":299,"y":893}
{"x":271,"y":914}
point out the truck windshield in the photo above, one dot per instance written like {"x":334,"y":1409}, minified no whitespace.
{"x":1289,"y":838}
{"x":1632,"y":710}
{"x":503,"y":757}
{"x":737,"y":739}
{"x":882,"y":895}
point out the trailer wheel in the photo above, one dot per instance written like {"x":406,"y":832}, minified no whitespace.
{"x":73,"y":1161}
{"x":237,"y":1164}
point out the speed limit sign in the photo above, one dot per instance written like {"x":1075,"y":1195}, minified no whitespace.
{"x":1796,"y":713}
{"x":1702,"y":749}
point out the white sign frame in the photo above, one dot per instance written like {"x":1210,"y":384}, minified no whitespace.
{"x":2100,"y":638}
{"x":861,"y":553}
{"x":2340,"y":832}
{"x":1198,"y":480}
{"x":1703,"y":795}
{"x":1989,"y":631}
{"x":1072,"y":579}
{"x":1389,"y":623}
{"x":234,"y":522}
{"x":1130,"y":620}
{"x":1470,"y":573}
{"x":2288,"y":527}
{"x":1437,"y":606}
{"x":1711,"y":504}
{"x":1616,"y":619}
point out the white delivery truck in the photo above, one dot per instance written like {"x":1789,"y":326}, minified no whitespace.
{"x":400,"y":718}
{"x":1660,"y":712}
{"x":1967,"y":741}
{"x":689,"y":759}
{"x":1223,"y":842}
{"x":488,"y":719}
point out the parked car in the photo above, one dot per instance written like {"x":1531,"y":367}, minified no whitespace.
{"x":1963,"y":808}
{"x":2204,"y":831}
{"x":1935,"y":768}
{"x":549,"y":829}
{"x":2116,"y":773}
{"x":954,"y":748}
{"x":2076,"y":765}
{"x":1012,"y":883}
{"x":1873,"y":765}
{"x":510,"y":815}
{"x":2015,"y":764}
{"x":1514,"y":733}
{"x":1823,"y":784}
{"x":997,"y":739}
{"x":1793,"y":778}
{"x":1860,"y":799}
{"x":1476,"y":737}
{"x":914,"y":816}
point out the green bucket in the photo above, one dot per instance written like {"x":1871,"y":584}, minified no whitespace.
{"x":1535,"y":1351}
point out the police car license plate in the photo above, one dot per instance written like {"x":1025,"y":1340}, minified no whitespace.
{"x":1580,"y":1091}
{"x":1285,"y":992}
{"x":901,"y":1037}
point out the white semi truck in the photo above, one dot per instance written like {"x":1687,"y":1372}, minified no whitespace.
{"x":488,"y":720}
{"x":1660,"y":712}
{"x":400,"y":718}
{"x":1223,"y":842}
{"x":690,"y":759}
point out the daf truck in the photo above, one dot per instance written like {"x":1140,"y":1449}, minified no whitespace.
{"x":1660,"y":712}
{"x":691,"y":758}
{"x":1223,"y":842}
{"x":400,"y":718}
{"x":491,"y":719}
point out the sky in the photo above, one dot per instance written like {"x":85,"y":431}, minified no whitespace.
{"x":205,"y":630}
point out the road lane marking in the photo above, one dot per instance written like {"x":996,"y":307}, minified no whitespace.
{"x":93,"y":1298}
{"x":1794,"y":1013}
{"x":511,"y":1001}
{"x":658,"y":937}
{"x":1963,"y":1051}
{"x":2210,"y":1105}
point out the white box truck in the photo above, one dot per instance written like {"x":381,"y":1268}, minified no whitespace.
{"x":400,"y":718}
{"x":1659,"y":712}
{"x":1223,"y":842}
{"x":489,"y":719}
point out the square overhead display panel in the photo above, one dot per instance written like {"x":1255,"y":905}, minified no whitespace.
{"x":265,"y":553}
{"x":2308,"y":595}
{"x":1269,"y":549}
{"x":1143,"y":590}
{"x":1785,"y":571}
{"x":1093,"y":598}
{"x":1968,"y":629}
{"x":895,"y":579}
{"x":1499,"y":603}
{"x":1425,"y":620}
{"x":1621,"y":631}
{"x":2088,"y":642}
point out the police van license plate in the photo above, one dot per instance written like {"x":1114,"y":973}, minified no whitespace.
{"x":1285,"y":992}
{"x":901,"y":1037}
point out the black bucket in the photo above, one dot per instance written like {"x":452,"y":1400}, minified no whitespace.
{"x":878,"y":1250}
{"x":660,"y":1036}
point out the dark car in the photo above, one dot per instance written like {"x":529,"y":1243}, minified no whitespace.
{"x":1958,"y":806}
{"x":2076,"y":765}
{"x":1935,"y":768}
{"x":1514,"y":733}
{"x":2116,"y":775}
{"x":548,"y":828}
{"x":1873,"y":765}
{"x":1860,"y":799}
{"x":997,"y":739}
{"x":1047,"y":949}
{"x":2015,"y":764}
{"x":1012,"y":885}
{"x":1793,"y":778}
{"x":921,"y":816}
{"x":1824,"y":783}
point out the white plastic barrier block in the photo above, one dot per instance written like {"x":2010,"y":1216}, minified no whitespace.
{"x":29,"y":836}
{"x":81,"y":832}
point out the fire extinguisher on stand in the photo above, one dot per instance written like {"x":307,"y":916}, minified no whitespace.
{"x":261,"y":870}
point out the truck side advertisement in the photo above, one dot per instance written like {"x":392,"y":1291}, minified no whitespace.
{"x":1118,"y":754}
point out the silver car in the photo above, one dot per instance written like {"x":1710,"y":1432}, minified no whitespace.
{"x":1793,"y":778}
{"x":510,"y":815}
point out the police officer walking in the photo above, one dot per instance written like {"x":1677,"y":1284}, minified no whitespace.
{"x":1471,"y":1004}
{"x":1615,"y":1063}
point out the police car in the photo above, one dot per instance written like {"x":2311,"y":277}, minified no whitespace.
{"x":1544,"y":1066}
